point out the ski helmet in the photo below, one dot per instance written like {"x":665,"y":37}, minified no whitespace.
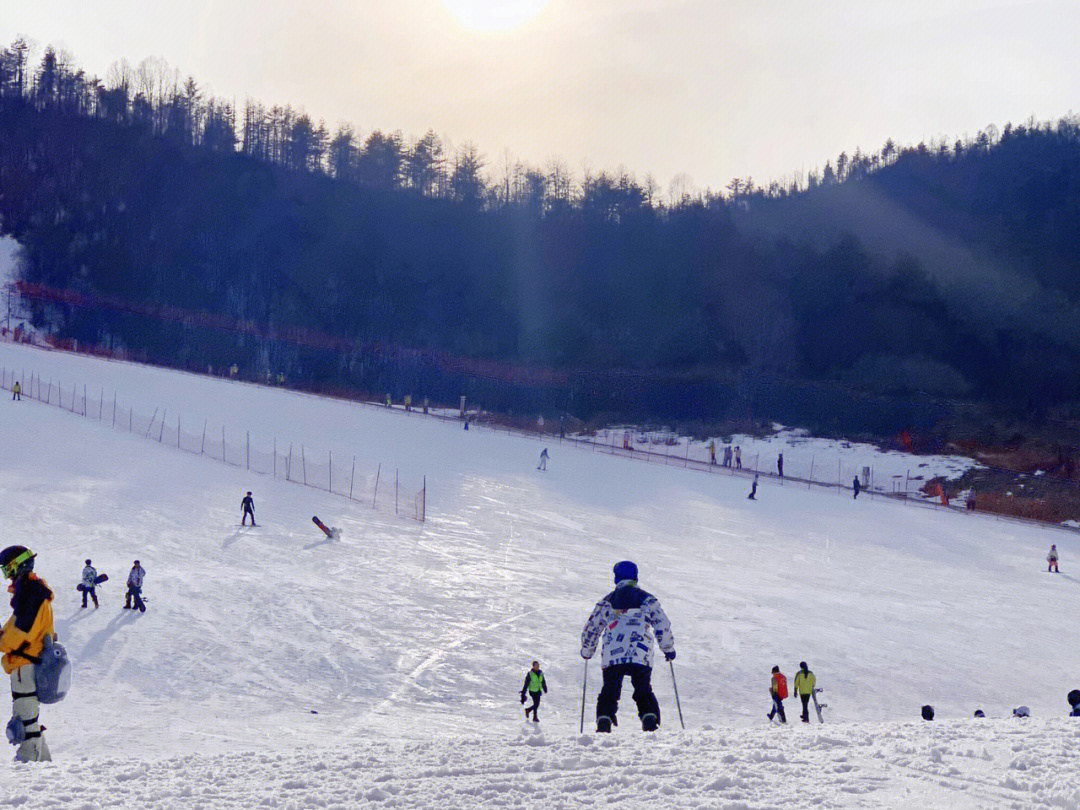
{"x":928,"y":712}
{"x":88,"y":562}
{"x":625,"y":570}
{"x":980,"y":713}
{"x":16,"y":561}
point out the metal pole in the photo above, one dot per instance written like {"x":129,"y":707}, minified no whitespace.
{"x":202,"y":447}
{"x":114,"y":409}
{"x":675,"y":686}
{"x":247,"y":449}
{"x":303,"y":464}
{"x":395,"y":490}
{"x":152,"y":418}
{"x":275,"y":457}
{"x":811,"y":481}
{"x":161,"y":432}
{"x":352,"y":477}
{"x":584,"y":683}
{"x":378,"y":472}
{"x":330,"y":474}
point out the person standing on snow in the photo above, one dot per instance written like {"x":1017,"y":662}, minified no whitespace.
{"x":856,"y":487}
{"x":778,"y":691}
{"x":543,"y":460}
{"x":805,"y":681}
{"x":247,"y":506}
{"x":1052,"y":559}
{"x":89,"y":584}
{"x":535,"y":685}
{"x":16,"y":391}
{"x":134,"y":591}
{"x":753,"y":490}
{"x":627,"y":618}
{"x":22,"y":641}
{"x":738,"y":457}
{"x":712,"y":454}
{"x":780,"y":465}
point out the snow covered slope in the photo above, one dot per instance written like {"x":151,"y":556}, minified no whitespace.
{"x":386,"y":665}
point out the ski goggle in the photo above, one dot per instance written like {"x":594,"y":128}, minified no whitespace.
{"x":12,"y":567}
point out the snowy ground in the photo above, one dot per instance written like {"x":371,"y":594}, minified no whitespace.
{"x":409,"y":641}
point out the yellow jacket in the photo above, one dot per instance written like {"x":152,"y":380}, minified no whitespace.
{"x":805,"y":682}
{"x":30,"y":622}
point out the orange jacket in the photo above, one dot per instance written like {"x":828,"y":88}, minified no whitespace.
{"x":30,"y":622}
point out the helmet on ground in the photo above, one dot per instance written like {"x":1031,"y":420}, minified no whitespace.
{"x":1021,"y":711}
{"x":625,"y":570}
{"x":980,"y":713}
{"x":16,"y":561}
{"x":927,"y":712}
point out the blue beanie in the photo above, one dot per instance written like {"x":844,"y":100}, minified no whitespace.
{"x":625,"y":570}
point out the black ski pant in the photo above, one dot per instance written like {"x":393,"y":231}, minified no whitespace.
{"x":92,"y":593}
{"x":778,"y":709}
{"x":134,"y":593}
{"x":607,"y":704}
{"x":243,"y":521}
{"x":17,"y":395}
{"x":805,"y":707}
{"x":535,"y":705}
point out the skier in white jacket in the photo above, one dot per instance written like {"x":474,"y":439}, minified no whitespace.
{"x":627,"y":618}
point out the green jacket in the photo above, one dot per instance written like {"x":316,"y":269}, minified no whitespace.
{"x":534,"y":682}
{"x":805,"y":682}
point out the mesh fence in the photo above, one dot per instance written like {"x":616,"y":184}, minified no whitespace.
{"x":293,"y":463}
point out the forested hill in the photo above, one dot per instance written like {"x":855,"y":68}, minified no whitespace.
{"x":950,"y":270}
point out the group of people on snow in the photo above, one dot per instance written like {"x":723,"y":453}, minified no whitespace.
{"x":132,"y":600}
{"x":730,"y":454}
{"x":805,"y":686}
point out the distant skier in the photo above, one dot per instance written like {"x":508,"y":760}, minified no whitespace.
{"x":856,"y":487}
{"x":16,"y":392}
{"x":247,"y":506}
{"x":753,"y":490}
{"x":134,"y":591}
{"x":779,"y":693}
{"x":535,"y":685}
{"x":543,"y":460}
{"x":1052,"y":559}
{"x":805,"y":682}
{"x":780,"y":465}
{"x":738,"y":457}
{"x":22,"y":640}
{"x":626,"y":618}
{"x":89,"y":584}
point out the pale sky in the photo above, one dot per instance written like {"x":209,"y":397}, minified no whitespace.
{"x":710,"y":88}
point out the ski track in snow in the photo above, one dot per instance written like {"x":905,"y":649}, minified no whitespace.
{"x":276,"y":669}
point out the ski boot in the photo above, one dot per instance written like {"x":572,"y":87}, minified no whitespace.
{"x":603,"y":725}
{"x":650,"y":722}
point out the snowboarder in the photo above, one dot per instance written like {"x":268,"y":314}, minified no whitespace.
{"x":89,"y":584}
{"x":134,"y":591}
{"x":753,"y":490}
{"x":805,"y":682}
{"x":1052,"y":559}
{"x":247,"y":506}
{"x":22,"y":641}
{"x":16,"y":391}
{"x":779,"y":693}
{"x":738,"y":457}
{"x":856,"y":487}
{"x":535,"y":685}
{"x":543,"y":460}
{"x":780,"y":465}
{"x":626,"y":618}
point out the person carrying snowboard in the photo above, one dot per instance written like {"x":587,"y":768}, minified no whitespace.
{"x":134,"y":591}
{"x":627,"y":618}
{"x":22,"y":641}
{"x":89,"y":584}
{"x":543,"y":459}
{"x":247,"y":506}
{"x":804,"y":688}
{"x":535,"y":685}
{"x":1052,"y":560}
{"x":778,"y":692}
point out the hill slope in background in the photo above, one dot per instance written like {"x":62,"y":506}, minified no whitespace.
{"x":410,"y":640}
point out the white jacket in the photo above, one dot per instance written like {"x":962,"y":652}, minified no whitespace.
{"x":89,"y":576}
{"x":136,"y":576}
{"x":627,"y":618}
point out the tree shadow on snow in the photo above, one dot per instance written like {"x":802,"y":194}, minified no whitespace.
{"x":97,"y":641}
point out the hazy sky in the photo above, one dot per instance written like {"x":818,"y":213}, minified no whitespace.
{"x":712,"y":88}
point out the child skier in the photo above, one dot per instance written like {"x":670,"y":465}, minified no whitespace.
{"x":134,"y":591}
{"x":247,"y":506}
{"x":89,"y":584}
{"x":778,"y":692}
{"x":1052,"y":559}
{"x":535,"y":686}
{"x":804,"y":688}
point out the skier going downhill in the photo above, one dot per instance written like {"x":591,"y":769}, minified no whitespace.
{"x":535,"y":685}
{"x":89,"y":584}
{"x":627,"y":618}
{"x":22,"y":641}
{"x":1052,"y":560}
{"x":134,"y":591}
{"x":805,"y":682}
{"x":247,"y":506}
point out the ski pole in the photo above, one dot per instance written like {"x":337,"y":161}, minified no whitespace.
{"x":584,"y":682}
{"x":678,"y":705}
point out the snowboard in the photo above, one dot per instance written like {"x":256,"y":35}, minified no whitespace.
{"x":97,"y":581}
{"x":334,"y":533}
{"x":818,"y":706}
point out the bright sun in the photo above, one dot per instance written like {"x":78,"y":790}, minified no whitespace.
{"x":494,"y":15}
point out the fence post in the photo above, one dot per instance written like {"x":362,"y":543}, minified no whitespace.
{"x":84,"y":399}
{"x":687,"y":462}
{"x":378,"y":472}
{"x":178,"y":431}
{"x":303,"y":464}
{"x":131,"y":426}
{"x":223,"y":459}
{"x":101,"y":403}
{"x":906,"y":477}
{"x":275,"y":457}
{"x":114,"y":409}
{"x":59,"y":394}
{"x":330,"y":473}
{"x":48,"y":400}
{"x":395,"y":490}
{"x":247,"y":450}
{"x":352,"y":477}
{"x":152,"y":418}
{"x":288,"y":467}
{"x":202,"y":445}
{"x":423,"y":502}
{"x":810,"y":483}
{"x":161,"y":431}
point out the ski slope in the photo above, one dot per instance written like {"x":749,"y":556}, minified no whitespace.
{"x":276,"y":668}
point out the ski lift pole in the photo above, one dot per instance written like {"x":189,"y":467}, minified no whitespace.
{"x":675,"y":686}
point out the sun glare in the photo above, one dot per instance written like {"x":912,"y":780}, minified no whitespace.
{"x":494,"y":15}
